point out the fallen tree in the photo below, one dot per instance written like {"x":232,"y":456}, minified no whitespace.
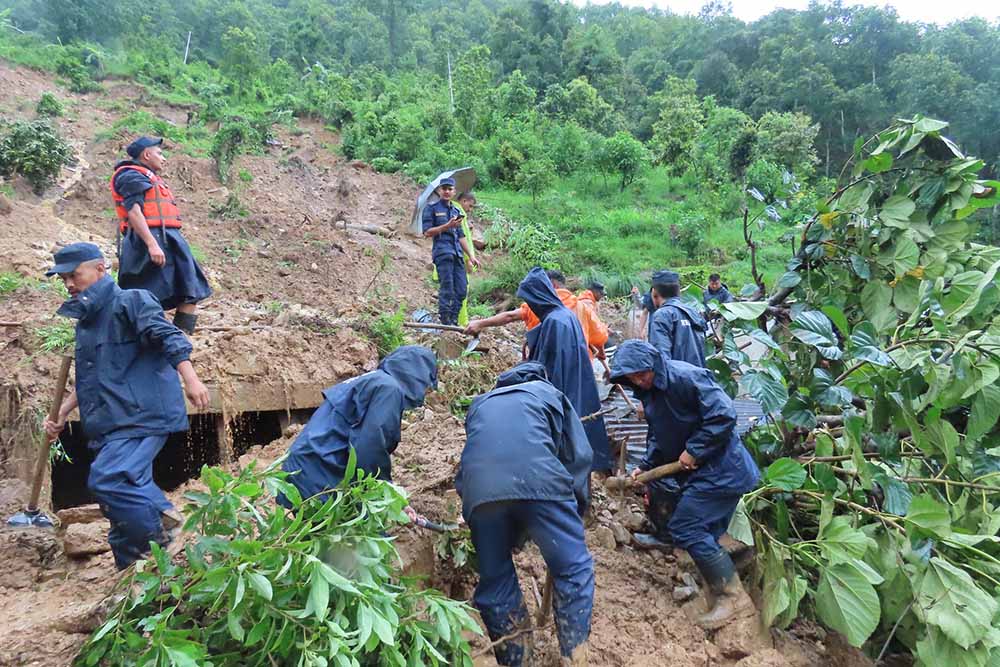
{"x":259,"y":585}
{"x":879,"y":509}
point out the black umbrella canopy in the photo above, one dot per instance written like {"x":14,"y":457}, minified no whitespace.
{"x":465,"y":179}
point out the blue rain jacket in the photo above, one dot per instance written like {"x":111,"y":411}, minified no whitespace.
{"x":365,"y":413}
{"x":678,"y":330}
{"x":126,"y":359}
{"x":524,"y":441}
{"x":446,"y":243}
{"x":722,"y":295}
{"x":687,"y":409}
{"x":558,"y":344}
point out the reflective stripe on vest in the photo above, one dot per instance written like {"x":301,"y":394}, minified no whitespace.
{"x":158,"y":205}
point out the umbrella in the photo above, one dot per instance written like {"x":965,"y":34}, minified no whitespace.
{"x":465,"y":178}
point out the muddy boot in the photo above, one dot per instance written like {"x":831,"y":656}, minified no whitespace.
{"x":731,"y":601}
{"x":172,"y":521}
{"x":185,"y":322}
{"x":650,"y":542}
{"x":661,"y":508}
{"x":578,"y":658}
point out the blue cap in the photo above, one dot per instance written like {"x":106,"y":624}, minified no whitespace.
{"x":447,"y":181}
{"x":69,"y":257}
{"x":666,"y":278}
{"x":136,"y":148}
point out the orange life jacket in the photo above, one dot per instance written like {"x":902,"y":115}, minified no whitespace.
{"x":595,"y":331}
{"x":158,"y":207}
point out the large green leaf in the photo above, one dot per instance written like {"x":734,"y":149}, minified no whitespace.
{"x":814,"y":328}
{"x":973,"y":300}
{"x":934,"y":649}
{"x":789,"y":279}
{"x":984,"y":413}
{"x":896,"y":494}
{"x":742,"y":310}
{"x":901,"y":256}
{"x":847,"y":602}
{"x":739,"y":526}
{"x":777,"y":595}
{"x":786,"y":474}
{"x":896,"y":211}
{"x":865,"y":345}
{"x":770,"y":392}
{"x":928,"y":517}
{"x":843,"y":543}
{"x":876,"y":301}
{"x":948,"y":598}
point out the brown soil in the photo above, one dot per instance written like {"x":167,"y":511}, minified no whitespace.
{"x":306,"y":286}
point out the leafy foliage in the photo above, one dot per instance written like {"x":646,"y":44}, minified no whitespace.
{"x":34,"y":150}
{"x":57,"y":337}
{"x":387,"y":331}
{"x":877,"y":513}
{"x":49,"y":105}
{"x":260,"y":585}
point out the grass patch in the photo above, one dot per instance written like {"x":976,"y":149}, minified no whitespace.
{"x":57,"y":337}
{"x":10,"y":282}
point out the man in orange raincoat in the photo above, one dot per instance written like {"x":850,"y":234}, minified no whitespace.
{"x":595,"y":331}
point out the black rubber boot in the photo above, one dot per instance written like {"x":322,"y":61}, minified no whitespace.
{"x":662,"y":501}
{"x":730,"y":599}
{"x":185,"y":322}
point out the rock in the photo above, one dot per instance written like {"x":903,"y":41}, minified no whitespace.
{"x":689,"y":580}
{"x":79,"y":619}
{"x":633,"y":520}
{"x":86,"y":539}
{"x":284,"y":271}
{"x":604,"y":537}
{"x":13,"y":496}
{"x":742,"y":637}
{"x":683,"y":593}
{"x":5,"y":206}
{"x":428,"y":415}
{"x":81,"y":514}
{"x":26,"y":554}
{"x":766,"y":658}
{"x":622,"y":536}
{"x":314,"y":267}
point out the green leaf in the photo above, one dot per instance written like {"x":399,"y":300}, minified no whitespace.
{"x":789,"y":279}
{"x":742,"y":310}
{"x":847,"y":602}
{"x":929,"y":517}
{"x":865,"y":345}
{"x":897,"y":495}
{"x":335,"y":579}
{"x":843,"y":543}
{"x":878,"y":163}
{"x":777,"y":596}
{"x":896,"y":211}
{"x":949,"y":599}
{"x":365,"y":622}
{"x":935,"y":650}
{"x":183,"y":655}
{"x":786,"y":474}
{"x":984,"y":412}
{"x":739,"y":526}
{"x":111,"y":625}
{"x":901,"y":256}
{"x":766,"y":390}
{"x":248,"y":490}
{"x":838,"y":318}
{"x":855,"y":198}
{"x":798,"y":412}
{"x":876,"y":301}
{"x":861,"y":267}
{"x":814,"y":328}
{"x":319,"y":596}
{"x":764,"y":338}
{"x":235,"y":629}
{"x":261,"y":585}
{"x":258,"y":631}
{"x":384,"y":630}
{"x":929,"y":125}
{"x":970,"y":303}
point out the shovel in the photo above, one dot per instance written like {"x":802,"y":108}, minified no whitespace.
{"x":32,"y":516}
{"x":424,"y":522}
{"x":471,"y":347}
{"x":619,"y":483}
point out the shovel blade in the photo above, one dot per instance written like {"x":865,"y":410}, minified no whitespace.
{"x":473,"y":344}
{"x":30,"y":519}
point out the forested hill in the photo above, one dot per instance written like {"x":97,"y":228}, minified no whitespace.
{"x":606,"y":67}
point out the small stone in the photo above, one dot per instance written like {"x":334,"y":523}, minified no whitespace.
{"x":689,"y":580}
{"x":632,"y":520}
{"x":683,"y":593}
{"x":284,"y":271}
{"x":314,"y":266}
{"x":622,"y":536}
{"x":86,"y":539}
{"x":428,"y":414}
{"x":81,"y":514}
{"x":604,"y":537}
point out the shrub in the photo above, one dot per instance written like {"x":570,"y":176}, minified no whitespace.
{"x":49,"y":105}
{"x":386,"y":331}
{"x":34,"y":150}
{"x":238,"y":135}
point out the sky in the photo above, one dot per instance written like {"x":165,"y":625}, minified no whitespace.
{"x":927,"y":11}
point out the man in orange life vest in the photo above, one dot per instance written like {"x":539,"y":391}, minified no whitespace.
{"x":153,"y":254}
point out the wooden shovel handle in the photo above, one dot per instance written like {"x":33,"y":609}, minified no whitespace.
{"x":432,"y":325}
{"x":43,"y":447}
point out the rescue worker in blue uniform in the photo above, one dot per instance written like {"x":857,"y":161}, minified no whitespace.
{"x":442,"y":221}
{"x":717,"y":291}
{"x":524,"y":473}
{"x":559,"y":344}
{"x":153,"y":254}
{"x":128,"y":358}
{"x":365,"y":413}
{"x":694,"y":422}
{"x":676,"y":329}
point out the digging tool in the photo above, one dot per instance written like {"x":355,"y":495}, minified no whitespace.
{"x":32,"y":516}
{"x":424,"y":522}
{"x":471,"y":347}
{"x":597,"y":414}
{"x":542,"y":616}
{"x":617,"y":483}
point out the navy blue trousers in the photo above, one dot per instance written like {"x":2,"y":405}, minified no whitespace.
{"x":177,"y":282}
{"x":454,"y":286}
{"x":121,"y":478}
{"x":700,"y":519}
{"x":557,"y":529}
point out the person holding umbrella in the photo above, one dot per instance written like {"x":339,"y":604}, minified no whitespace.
{"x":442,"y":222}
